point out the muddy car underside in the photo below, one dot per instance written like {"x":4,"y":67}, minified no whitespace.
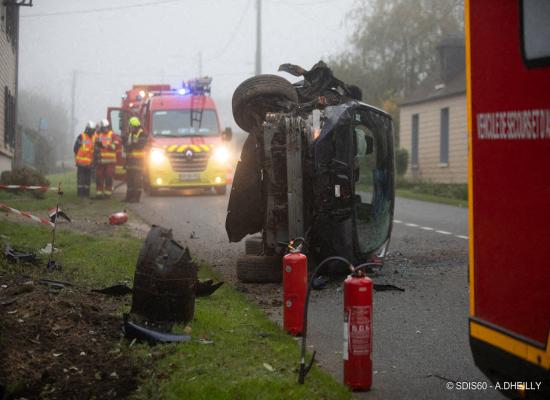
{"x":317,"y":164}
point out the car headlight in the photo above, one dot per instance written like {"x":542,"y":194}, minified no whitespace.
{"x":157,"y":157}
{"x":221,"y":154}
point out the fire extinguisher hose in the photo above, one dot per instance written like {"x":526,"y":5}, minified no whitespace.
{"x":303,"y":368}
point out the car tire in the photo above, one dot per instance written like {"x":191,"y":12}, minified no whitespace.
{"x":253,"y":246}
{"x":259,"y":269}
{"x":220,"y":190}
{"x":258,"y":95}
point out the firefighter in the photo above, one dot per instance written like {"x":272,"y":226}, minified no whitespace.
{"x":84,"y":156}
{"x":135,"y":160}
{"x":105,"y":160}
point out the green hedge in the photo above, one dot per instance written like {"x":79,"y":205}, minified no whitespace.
{"x":401,"y":161}
{"x":451,"y":190}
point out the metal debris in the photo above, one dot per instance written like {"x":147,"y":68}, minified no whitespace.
{"x":115,"y":290}
{"x":141,"y":333}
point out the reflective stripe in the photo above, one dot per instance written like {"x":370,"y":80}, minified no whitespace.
{"x":107,"y":151}
{"x":182,"y":148}
{"x":136,"y":154}
{"x":85,"y":153}
{"x":172,"y":148}
{"x":205,"y":147}
{"x":196,"y":148}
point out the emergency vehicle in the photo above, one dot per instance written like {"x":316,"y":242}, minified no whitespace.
{"x":508,"y":90}
{"x":187,"y":147}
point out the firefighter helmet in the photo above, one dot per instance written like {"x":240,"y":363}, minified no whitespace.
{"x":134,"y":122}
{"x":90,"y":127}
{"x":104,"y":123}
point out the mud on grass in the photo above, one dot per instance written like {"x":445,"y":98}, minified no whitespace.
{"x":62,"y":344}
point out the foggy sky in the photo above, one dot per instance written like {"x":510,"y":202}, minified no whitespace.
{"x":111,"y":50}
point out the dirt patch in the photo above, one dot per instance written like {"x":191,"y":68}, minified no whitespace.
{"x":62,"y":343}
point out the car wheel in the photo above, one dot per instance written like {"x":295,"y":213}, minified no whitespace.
{"x":258,"y":95}
{"x":253,"y":246}
{"x":259,"y":269}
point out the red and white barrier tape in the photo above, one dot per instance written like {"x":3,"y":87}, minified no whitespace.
{"x":26,"y":214}
{"x":23,"y":187}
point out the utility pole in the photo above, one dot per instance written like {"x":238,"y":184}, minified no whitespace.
{"x":73,"y":103}
{"x":258,"y":37}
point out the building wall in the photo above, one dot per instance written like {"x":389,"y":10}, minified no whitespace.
{"x":429,"y":167}
{"x":8,"y":76}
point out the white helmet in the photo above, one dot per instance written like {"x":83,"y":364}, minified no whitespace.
{"x":104,"y":123}
{"x":90,"y":125}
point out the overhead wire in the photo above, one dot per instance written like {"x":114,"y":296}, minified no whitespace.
{"x":99,"y":10}
{"x":233,"y":34}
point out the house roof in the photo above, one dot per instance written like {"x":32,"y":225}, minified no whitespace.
{"x":434,"y":89}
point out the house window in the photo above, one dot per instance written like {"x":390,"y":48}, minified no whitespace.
{"x":444,"y":137}
{"x":9,"y":119}
{"x":414,"y":144}
{"x":11,"y":23}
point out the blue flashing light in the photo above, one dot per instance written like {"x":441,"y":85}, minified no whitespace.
{"x":182,"y":91}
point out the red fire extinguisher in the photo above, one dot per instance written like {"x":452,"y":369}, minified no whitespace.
{"x":357,"y":351}
{"x":294,"y":289}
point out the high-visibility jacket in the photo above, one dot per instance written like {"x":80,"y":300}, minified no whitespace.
{"x":107,"y":153}
{"x":85,"y":153}
{"x":136,"y":145}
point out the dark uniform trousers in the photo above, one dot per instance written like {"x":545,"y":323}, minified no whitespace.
{"x":134,"y":176}
{"x":83,"y":179}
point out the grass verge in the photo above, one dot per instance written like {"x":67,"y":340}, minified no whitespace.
{"x":236,"y":352}
{"x":409,"y":194}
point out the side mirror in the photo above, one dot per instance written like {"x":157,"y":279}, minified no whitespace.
{"x":227,"y":134}
{"x":370,"y":144}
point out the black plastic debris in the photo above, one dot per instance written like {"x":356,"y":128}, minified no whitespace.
{"x":14,"y":256}
{"x":318,"y":81}
{"x":206,"y":288}
{"x":54,"y":284}
{"x":384,"y":288}
{"x":53,"y":265}
{"x":164,"y":281}
{"x":60,"y":214}
{"x":115,"y":290}
{"x":133,"y":330}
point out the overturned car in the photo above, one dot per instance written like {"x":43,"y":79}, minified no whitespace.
{"x":318,"y":164}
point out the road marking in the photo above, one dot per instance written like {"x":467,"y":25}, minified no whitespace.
{"x":428,"y":228}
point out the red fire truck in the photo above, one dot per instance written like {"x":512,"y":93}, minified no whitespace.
{"x":508,"y":86}
{"x":186,"y":145}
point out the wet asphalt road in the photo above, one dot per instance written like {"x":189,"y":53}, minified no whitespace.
{"x":420,"y":335}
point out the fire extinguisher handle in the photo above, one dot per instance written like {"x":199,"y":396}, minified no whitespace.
{"x":305,"y":370}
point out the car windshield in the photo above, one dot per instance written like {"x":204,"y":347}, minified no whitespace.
{"x":183,"y":123}
{"x":373,"y":179}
